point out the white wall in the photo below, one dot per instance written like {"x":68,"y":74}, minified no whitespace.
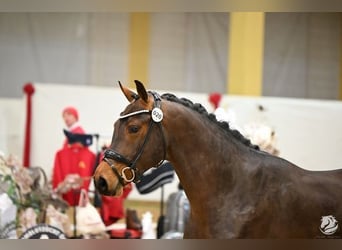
{"x":12,"y":115}
{"x":308,"y":131}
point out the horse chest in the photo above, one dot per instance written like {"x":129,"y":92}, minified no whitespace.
{"x":219,"y":222}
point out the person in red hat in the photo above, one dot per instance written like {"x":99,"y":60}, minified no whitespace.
{"x":70,"y":117}
{"x":74,"y":159}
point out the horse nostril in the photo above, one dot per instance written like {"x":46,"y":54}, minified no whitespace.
{"x":102,"y":184}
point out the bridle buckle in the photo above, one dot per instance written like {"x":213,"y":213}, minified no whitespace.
{"x":123,"y":174}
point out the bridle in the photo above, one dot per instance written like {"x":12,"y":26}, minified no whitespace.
{"x":110,"y":154}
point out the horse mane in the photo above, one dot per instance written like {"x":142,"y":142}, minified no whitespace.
{"x":200,"y":109}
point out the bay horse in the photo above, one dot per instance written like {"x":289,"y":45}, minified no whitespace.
{"x":235,"y":190}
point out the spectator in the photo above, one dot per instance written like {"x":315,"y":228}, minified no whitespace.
{"x":74,"y":163}
{"x":70,"y":117}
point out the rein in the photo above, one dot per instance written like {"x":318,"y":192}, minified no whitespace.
{"x":110,"y":154}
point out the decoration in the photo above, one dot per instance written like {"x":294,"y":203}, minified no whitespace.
{"x":29,"y":91}
{"x":27,"y":197}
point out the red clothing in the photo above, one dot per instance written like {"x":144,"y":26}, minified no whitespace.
{"x":77,"y":130}
{"x":113,"y":207}
{"x":73,"y":159}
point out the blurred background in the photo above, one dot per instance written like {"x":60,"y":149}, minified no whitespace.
{"x":249,"y":53}
{"x":248,"y":57}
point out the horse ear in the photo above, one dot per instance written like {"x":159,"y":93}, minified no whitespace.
{"x":130,"y":95}
{"x":141,"y":90}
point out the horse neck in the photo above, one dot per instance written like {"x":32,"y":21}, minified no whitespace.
{"x":204,"y":157}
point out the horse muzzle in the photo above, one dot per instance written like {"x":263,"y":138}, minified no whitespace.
{"x":105,"y":182}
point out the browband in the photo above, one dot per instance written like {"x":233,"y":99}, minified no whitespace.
{"x":134,"y":113}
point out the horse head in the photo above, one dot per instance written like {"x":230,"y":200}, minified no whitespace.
{"x":137,"y":132}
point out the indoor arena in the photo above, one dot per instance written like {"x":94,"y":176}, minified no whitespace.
{"x":170,"y":125}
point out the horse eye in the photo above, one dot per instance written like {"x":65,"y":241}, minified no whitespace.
{"x":133,"y":129}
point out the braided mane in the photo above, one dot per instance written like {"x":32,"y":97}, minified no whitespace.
{"x":200,"y":109}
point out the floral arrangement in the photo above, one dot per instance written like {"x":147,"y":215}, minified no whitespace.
{"x":17,"y":182}
{"x":31,"y":197}
{"x":261,"y":135}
